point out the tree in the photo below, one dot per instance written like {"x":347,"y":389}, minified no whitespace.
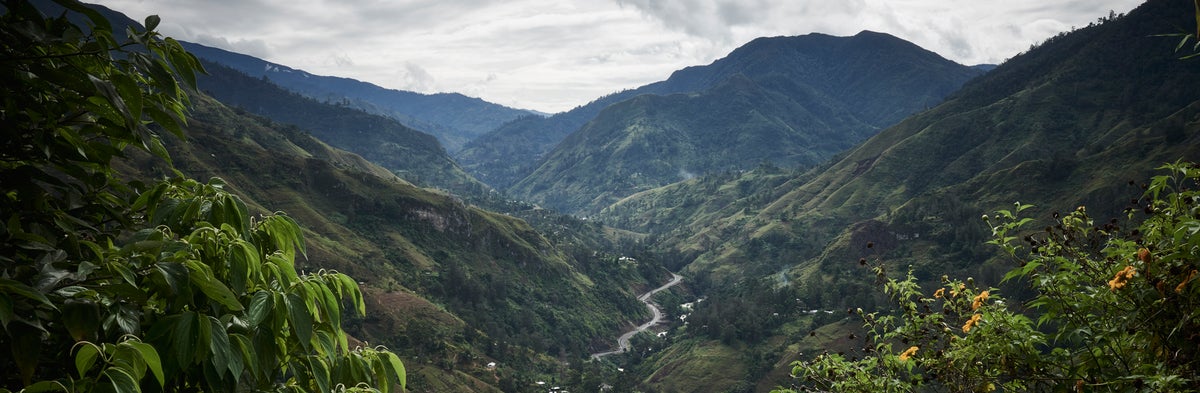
{"x":1112,"y":310}
{"x":111,"y":284}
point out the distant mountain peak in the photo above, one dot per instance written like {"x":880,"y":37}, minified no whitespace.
{"x":453,"y":118}
{"x":789,"y":101}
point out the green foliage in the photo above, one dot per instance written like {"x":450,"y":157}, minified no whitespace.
{"x":1114,"y":310}
{"x":1188,"y":36}
{"x":124,"y":280}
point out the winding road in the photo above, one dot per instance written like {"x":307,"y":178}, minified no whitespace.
{"x":623,"y":341}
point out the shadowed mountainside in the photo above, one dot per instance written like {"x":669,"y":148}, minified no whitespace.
{"x":453,"y":118}
{"x":788,"y":101}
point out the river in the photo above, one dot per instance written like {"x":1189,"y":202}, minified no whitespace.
{"x":623,"y":341}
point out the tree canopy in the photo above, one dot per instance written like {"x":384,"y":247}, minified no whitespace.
{"x":114,"y":284}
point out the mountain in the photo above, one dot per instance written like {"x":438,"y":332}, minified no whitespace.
{"x":510,"y":152}
{"x":787,"y":101}
{"x":448,"y":283}
{"x":1080,"y":120}
{"x":650,"y":141}
{"x":448,"y":286}
{"x":453,"y":118}
{"x":411,"y":154}
{"x":1066,"y":124}
{"x":904,"y":79}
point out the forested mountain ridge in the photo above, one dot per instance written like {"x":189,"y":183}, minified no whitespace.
{"x":453,"y":287}
{"x":1069,"y":123}
{"x":875,"y":76}
{"x":413,"y":155}
{"x":444,"y":281}
{"x":786,"y":101}
{"x":650,"y":141}
{"x":450,"y":284}
{"x":1081,"y":120}
{"x":453,"y":118}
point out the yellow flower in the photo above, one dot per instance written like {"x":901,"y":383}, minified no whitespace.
{"x":908,"y":353}
{"x":971,"y":323}
{"x":1179,"y":288}
{"x":975,"y":304}
{"x":939,"y":293}
{"x":954,"y":292}
{"x":1121,"y":278}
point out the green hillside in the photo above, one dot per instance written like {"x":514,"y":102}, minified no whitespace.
{"x":449,"y":286}
{"x":650,"y":141}
{"x":870,"y":78}
{"x":411,"y":154}
{"x":786,"y":101}
{"x":1070,"y":123}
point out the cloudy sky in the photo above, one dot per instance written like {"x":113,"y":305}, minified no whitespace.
{"x":552,"y":55}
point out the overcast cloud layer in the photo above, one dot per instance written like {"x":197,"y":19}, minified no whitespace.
{"x":552,"y":55}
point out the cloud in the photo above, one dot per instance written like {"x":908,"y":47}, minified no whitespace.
{"x":256,"y":48}
{"x":415,"y":78}
{"x":554,"y":55}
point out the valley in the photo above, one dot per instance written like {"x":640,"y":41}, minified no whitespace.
{"x":796,"y":198}
{"x":623,"y":340}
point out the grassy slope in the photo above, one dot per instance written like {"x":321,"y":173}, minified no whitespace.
{"x":839,"y":79}
{"x":411,"y":154}
{"x":1067,"y":124}
{"x":404,"y":242}
{"x":650,"y":141}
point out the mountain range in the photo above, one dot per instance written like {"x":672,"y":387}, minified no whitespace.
{"x":764,"y":178}
{"x":788,"y":101}
{"x":1080,"y":120}
{"x":413,"y":155}
{"x":443,"y":280}
{"x":453,"y":118}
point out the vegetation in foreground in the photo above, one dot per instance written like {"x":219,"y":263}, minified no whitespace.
{"x":114,"y":285}
{"x":1111,"y":310}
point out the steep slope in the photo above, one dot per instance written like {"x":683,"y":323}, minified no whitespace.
{"x":876,"y":77}
{"x":411,"y":154}
{"x":1068,"y":124}
{"x":650,"y":141}
{"x":788,"y":101}
{"x":453,"y":118}
{"x":510,"y":152}
{"x":447,"y":283}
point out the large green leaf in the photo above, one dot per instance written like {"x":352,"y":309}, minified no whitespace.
{"x":127,"y":358}
{"x":26,"y":347}
{"x":44,"y":387}
{"x":300,"y":320}
{"x":320,"y":372}
{"x":122,"y":381}
{"x":183,"y":338}
{"x":244,"y":265}
{"x":131,"y":95}
{"x":19,"y":289}
{"x":151,"y":358}
{"x":6,"y":310}
{"x":202,"y":277}
{"x":260,"y":307}
{"x":397,"y":369}
{"x":221,"y":350}
{"x":85,"y":358}
{"x":247,"y":357}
